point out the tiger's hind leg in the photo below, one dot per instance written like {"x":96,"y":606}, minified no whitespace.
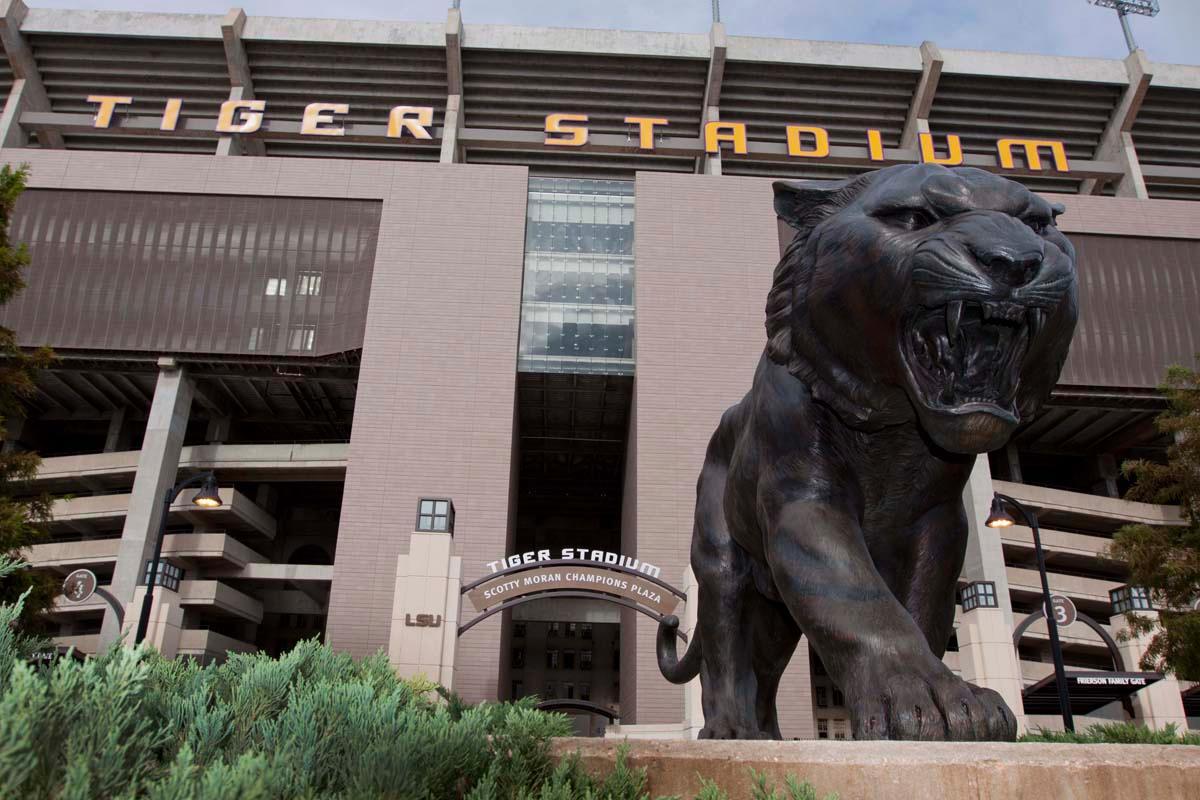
{"x":725,"y":619}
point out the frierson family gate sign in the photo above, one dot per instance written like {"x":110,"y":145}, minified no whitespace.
{"x":414,"y":124}
{"x":571,"y":573}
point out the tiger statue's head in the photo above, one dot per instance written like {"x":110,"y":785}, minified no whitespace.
{"x":920,"y":292}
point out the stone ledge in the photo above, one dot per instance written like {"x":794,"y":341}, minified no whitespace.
{"x":920,"y":770}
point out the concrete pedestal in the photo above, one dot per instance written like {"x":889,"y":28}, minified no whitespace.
{"x":426,"y":608}
{"x":158,"y":462}
{"x":987,"y":658}
{"x":896,"y":770}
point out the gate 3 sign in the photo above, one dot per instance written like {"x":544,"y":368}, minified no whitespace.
{"x":535,"y":577}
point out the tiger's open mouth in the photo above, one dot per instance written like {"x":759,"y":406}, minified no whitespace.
{"x":966,"y":356}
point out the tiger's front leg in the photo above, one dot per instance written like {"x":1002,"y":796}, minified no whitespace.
{"x":895,"y":687}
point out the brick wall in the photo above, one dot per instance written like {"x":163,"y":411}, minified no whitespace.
{"x":434,"y":414}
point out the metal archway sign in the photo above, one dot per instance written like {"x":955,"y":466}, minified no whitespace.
{"x":1113,"y":650}
{"x":571,"y":578}
{"x":1088,"y":690}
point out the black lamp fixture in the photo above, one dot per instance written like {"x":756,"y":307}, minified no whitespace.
{"x":1001,"y":517}
{"x":209,"y":496}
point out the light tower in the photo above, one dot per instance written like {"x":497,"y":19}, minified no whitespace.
{"x":1147,"y":8}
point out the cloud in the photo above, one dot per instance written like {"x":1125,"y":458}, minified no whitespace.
{"x":1053,"y":27}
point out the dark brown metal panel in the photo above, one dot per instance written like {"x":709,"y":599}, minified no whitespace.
{"x":194,"y":273}
{"x":1138,"y":299}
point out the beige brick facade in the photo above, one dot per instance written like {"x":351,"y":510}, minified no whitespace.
{"x":434,"y":413}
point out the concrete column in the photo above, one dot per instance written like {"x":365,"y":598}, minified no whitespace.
{"x":218,"y":429}
{"x":11,"y":133}
{"x":166,"y":620}
{"x":710,"y":107}
{"x":454,"y":41}
{"x":425,"y":609}
{"x":718,"y":45}
{"x":1158,"y":705}
{"x":711,"y":162}
{"x":917,"y":121}
{"x":25,"y":67}
{"x":985,"y":555}
{"x":157,"y":465}
{"x":116,"y":439}
{"x":1116,"y":143}
{"x":451,"y":152}
{"x":987,"y":658}
{"x":1109,"y":473}
{"x":266,"y":498}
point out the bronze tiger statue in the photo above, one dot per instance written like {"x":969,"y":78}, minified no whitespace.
{"x":920,"y":314}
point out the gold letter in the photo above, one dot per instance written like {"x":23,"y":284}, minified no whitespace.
{"x":170,"y":117}
{"x":398,"y":121}
{"x":579,"y":134}
{"x":716,"y":132}
{"x":646,"y":129}
{"x":953,"y":144}
{"x":1032,"y":156}
{"x":875,"y":145}
{"x":318,"y":114}
{"x":107,"y":104}
{"x":795,"y":148}
{"x":251,"y":119}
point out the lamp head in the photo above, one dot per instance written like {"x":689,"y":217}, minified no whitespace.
{"x":999,"y":517}
{"x":209,"y":495}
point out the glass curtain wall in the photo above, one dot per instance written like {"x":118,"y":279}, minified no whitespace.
{"x":577,"y":302}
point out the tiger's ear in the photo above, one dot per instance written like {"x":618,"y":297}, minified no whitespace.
{"x":802,"y":204}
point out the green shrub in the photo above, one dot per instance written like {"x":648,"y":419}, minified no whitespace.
{"x":312,"y":723}
{"x":1115,"y":733}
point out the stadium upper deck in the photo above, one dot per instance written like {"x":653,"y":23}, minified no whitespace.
{"x":1129,"y":127}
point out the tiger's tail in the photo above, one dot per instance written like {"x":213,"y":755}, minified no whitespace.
{"x":673,"y":668}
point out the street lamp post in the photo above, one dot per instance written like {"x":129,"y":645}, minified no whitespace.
{"x":1000,"y":518}
{"x":208,"y":497}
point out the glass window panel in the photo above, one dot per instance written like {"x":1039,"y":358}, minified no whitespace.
{"x":440,"y":508}
{"x":577,"y":299}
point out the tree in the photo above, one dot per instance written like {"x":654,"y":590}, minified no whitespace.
{"x":22,"y":513}
{"x":1165,"y":559}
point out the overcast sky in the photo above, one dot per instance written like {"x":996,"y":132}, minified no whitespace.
{"x":1061,"y":27}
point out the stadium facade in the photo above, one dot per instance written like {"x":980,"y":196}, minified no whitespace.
{"x":385,"y":279}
